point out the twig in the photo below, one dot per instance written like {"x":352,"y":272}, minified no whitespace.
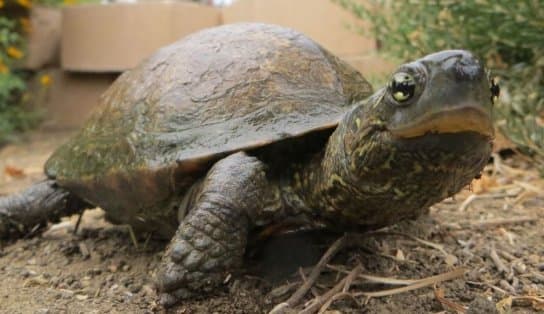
{"x":474,"y":197}
{"x":303,"y":289}
{"x":351,"y":276}
{"x":280,"y":291}
{"x":428,"y":243}
{"x":500,"y":222}
{"x":537,"y":299}
{"x":146,"y":242}
{"x":528,"y":187}
{"x":507,"y":255}
{"x":319,"y":301}
{"x":378,"y":279}
{"x":522,"y":197}
{"x":338,"y":296}
{"x":132,"y":236}
{"x":425,"y":282}
{"x":304,"y":279}
{"x":497,"y":261}
{"x":439,"y":295}
{"x":506,"y":286}
{"x":497,"y":289}
{"x":78,"y":222}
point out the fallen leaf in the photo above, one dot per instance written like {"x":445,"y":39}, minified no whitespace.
{"x":400,"y":255}
{"x":483,"y":184}
{"x":505,"y":305}
{"x":502,"y":143}
{"x":14,"y":172}
{"x":451,"y":260}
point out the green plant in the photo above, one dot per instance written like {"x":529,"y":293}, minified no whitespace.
{"x":14,"y":97}
{"x":507,"y":34}
{"x":13,"y":117}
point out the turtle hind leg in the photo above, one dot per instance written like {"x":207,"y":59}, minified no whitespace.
{"x":35,"y":206}
{"x":210,"y":242}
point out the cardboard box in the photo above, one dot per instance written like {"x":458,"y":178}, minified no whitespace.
{"x":322,"y":20}
{"x":117,"y":37}
{"x":372,"y":66}
{"x":69,"y":98}
{"x":42,"y":39}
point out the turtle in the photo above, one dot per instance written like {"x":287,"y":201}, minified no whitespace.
{"x":243,"y":126}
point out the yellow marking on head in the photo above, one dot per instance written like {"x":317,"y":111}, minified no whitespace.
{"x":336,"y":178}
{"x":384,"y":188}
{"x":378,"y":101}
{"x":398,"y":192}
{"x":358,"y":123}
{"x":417,"y":167}
{"x":387,"y":163}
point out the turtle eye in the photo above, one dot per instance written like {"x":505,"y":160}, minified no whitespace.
{"x":403,"y":86}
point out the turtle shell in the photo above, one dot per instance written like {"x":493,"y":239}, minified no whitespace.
{"x":221,"y":90}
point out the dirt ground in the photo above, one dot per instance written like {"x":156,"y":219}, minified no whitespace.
{"x":489,"y":238}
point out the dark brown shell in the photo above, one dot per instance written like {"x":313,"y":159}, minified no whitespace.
{"x":220,"y":90}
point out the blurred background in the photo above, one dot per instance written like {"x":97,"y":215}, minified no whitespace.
{"x":58,"y":56}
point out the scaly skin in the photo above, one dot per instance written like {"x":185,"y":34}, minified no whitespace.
{"x":211,"y":240}
{"x":37,"y":205}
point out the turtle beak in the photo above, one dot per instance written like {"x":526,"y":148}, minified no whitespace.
{"x":462,"y":118}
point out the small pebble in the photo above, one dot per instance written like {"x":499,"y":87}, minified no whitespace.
{"x":135,"y":288}
{"x":36,"y":281}
{"x":27,"y":273}
{"x":506,"y":286}
{"x":519,"y":267}
{"x":127,"y":296}
{"x":84,"y":250}
{"x":148,"y":290}
{"x":66,"y":294}
{"x":482,"y":305}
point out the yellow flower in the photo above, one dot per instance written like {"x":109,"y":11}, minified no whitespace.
{"x":25,"y":3}
{"x":444,"y":15}
{"x":14,"y":52}
{"x":45,"y":80}
{"x":414,"y":36}
{"x":3,"y":68}
{"x":25,"y":24}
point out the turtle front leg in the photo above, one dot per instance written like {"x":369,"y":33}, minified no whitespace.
{"x":42,"y":202}
{"x":211,"y":240}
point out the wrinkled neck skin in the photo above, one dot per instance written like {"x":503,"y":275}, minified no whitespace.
{"x":368,"y":179}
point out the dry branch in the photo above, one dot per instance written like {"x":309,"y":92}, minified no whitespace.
{"x":497,"y":261}
{"x":344,"y":284}
{"x":425,"y":282}
{"x":316,"y":271}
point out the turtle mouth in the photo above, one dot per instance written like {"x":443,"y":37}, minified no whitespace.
{"x":466,"y":118}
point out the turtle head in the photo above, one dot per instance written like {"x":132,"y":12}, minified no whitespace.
{"x":445,"y":92}
{"x":444,"y":97}
{"x":421,"y":138}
